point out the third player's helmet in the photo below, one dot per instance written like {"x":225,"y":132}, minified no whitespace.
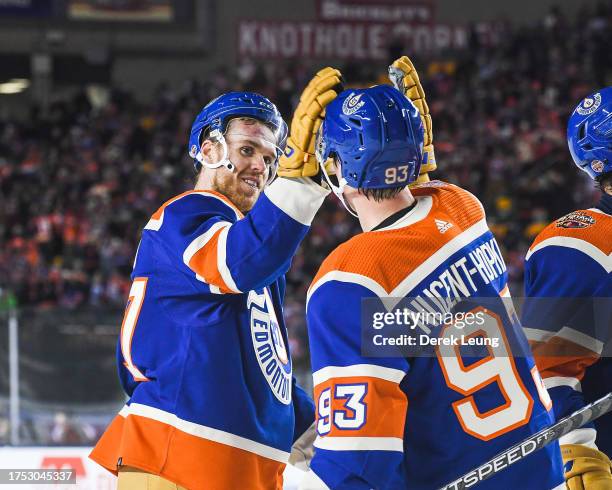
{"x":589,"y":133}
{"x":376,"y":134}
{"x":215,"y":116}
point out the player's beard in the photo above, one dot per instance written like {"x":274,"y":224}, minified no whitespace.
{"x":231,"y":186}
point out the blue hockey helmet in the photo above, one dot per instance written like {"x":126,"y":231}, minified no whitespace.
{"x":215,"y":117}
{"x":589,"y":133}
{"x":376,"y":134}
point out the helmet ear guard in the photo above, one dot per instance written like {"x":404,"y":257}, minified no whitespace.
{"x":216,"y":136}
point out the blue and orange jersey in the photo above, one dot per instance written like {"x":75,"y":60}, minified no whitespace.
{"x":203,"y":353}
{"x":412,"y":421}
{"x":568,"y":314}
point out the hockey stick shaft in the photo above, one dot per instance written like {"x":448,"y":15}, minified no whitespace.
{"x":537,"y":441}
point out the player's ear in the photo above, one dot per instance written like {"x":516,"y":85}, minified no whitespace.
{"x":208,"y":150}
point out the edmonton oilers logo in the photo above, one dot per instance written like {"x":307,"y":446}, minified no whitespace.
{"x":589,"y":105}
{"x":352,"y":104}
{"x":597,"y":166}
{"x":269,"y":345}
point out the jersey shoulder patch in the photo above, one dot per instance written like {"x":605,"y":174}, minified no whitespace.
{"x":583,"y":228}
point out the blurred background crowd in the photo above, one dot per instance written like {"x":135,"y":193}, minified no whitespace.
{"x":79,"y":180}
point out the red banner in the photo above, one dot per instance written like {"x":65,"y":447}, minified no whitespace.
{"x":342,"y":40}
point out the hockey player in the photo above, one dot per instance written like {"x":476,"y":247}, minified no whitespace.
{"x":569,"y":263}
{"x":412,"y":422}
{"x":203,"y":353}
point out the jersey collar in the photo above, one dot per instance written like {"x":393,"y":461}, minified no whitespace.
{"x":407,"y":216}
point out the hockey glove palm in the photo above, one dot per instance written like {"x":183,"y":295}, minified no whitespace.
{"x":404,"y":77}
{"x":586,"y":468}
{"x":299,"y":158}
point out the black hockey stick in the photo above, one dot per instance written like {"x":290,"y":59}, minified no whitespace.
{"x":533,"y":443}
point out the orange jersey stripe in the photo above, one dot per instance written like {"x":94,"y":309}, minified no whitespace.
{"x":561,"y":357}
{"x":385,"y":402}
{"x":205,"y":263}
{"x":182,"y":458}
{"x":158,"y":214}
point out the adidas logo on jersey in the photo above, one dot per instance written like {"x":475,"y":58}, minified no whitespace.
{"x":443,"y":226}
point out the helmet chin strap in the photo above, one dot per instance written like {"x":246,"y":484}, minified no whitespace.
{"x":217,"y":136}
{"x":338,"y":190}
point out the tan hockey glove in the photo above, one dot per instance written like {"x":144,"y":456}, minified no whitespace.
{"x":299,"y":158}
{"x":302,"y":450}
{"x":404,"y":77}
{"x":586,"y":468}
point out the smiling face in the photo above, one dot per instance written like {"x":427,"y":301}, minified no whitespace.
{"x":252,"y":150}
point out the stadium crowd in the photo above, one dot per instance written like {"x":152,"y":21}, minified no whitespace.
{"x":78,"y":182}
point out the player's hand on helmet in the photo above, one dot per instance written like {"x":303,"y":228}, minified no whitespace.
{"x":404,"y":77}
{"x":586,"y":468}
{"x":299,"y":158}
